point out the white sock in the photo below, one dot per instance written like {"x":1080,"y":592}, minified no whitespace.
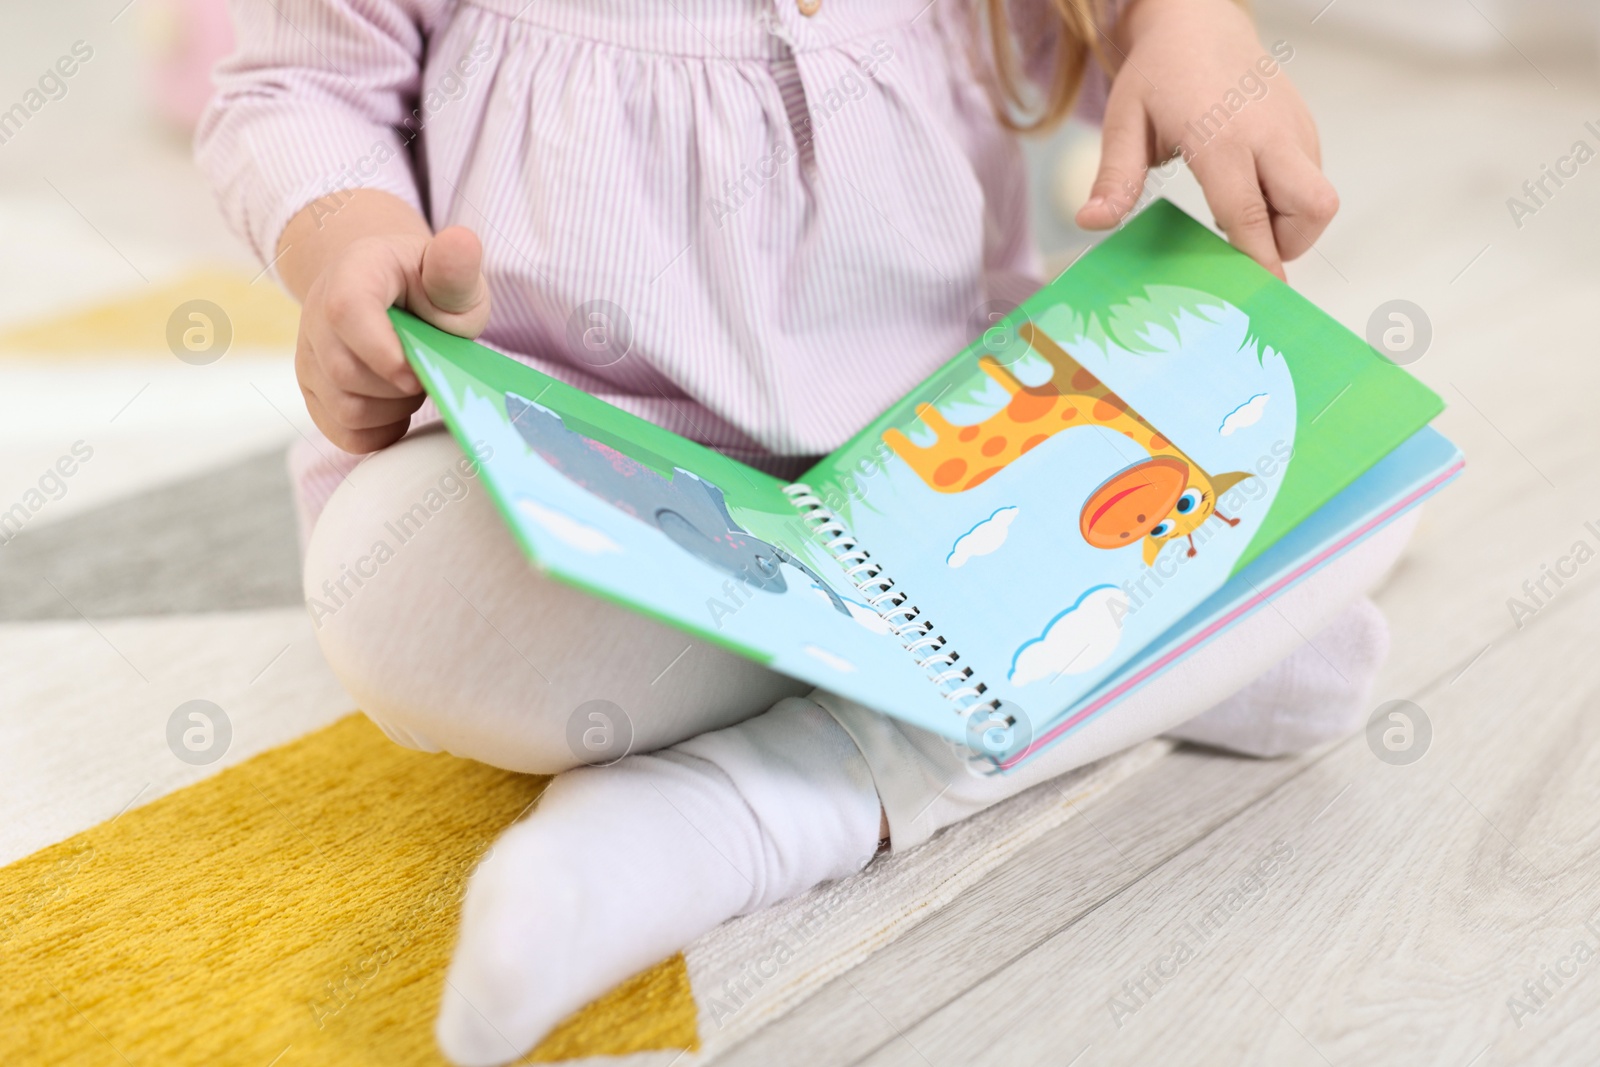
{"x":1318,"y":693}
{"x":618,"y":867}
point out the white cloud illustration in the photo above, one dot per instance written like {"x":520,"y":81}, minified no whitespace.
{"x":838,"y":663}
{"x":1077,"y":640}
{"x":566,"y":529}
{"x":982,"y":539}
{"x":1247,"y":414}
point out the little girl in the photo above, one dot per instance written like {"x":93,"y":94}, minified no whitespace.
{"x":756,"y":223}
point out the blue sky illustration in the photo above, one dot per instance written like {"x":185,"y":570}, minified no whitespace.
{"x":1188,"y":385}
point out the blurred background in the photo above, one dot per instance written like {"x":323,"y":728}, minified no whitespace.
{"x":1434,"y":114}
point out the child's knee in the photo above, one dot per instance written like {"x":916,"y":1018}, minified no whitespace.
{"x":375,"y":584}
{"x":401,"y":646}
{"x":342,"y":580}
{"x":529,"y":739}
{"x":413,"y":689}
{"x":1320,"y":693}
{"x":406,"y":738}
{"x":533,"y":746}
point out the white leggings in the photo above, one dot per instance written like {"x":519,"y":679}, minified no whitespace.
{"x":454,"y":642}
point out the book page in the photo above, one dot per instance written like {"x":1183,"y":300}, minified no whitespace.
{"x":634,"y":514}
{"x":1395,"y":485}
{"x":1074,"y":483}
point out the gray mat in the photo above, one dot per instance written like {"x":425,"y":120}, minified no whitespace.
{"x":222,"y":541}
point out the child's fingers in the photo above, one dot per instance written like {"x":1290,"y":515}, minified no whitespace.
{"x":355,"y":306}
{"x":343,"y":369}
{"x":451,"y":269}
{"x":356,"y":412}
{"x":359,"y":441}
{"x":1302,"y":199}
{"x":1227,"y":176}
{"x":353,"y":421}
{"x":453,"y":284}
{"x":344,"y":405}
{"x":1124,"y":158}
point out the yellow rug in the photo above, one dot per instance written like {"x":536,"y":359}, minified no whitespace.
{"x":299,"y":908}
{"x":260,"y":315}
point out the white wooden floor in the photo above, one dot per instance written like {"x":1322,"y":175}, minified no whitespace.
{"x":1415,"y":900}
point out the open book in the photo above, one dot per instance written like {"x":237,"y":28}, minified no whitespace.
{"x":1149,"y":448}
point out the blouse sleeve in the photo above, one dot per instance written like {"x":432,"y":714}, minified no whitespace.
{"x":318,"y":97}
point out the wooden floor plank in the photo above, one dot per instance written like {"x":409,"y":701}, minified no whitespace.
{"x":1110,"y":846}
{"x":1409,"y":905}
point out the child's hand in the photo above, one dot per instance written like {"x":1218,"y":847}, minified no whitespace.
{"x":1261,"y":168}
{"x":358,"y":388}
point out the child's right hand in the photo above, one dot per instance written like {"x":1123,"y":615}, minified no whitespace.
{"x":355,"y":379}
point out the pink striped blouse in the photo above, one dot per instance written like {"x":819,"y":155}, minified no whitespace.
{"x":754,"y":222}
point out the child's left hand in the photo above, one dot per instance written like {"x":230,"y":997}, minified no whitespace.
{"x":1260,"y":167}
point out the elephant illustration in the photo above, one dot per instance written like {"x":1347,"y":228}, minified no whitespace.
{"x":688,"y":509}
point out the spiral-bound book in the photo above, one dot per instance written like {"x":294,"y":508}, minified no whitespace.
{"x":1145,"y":451}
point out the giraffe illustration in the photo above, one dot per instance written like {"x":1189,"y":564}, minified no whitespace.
{"x":1154,"y":501}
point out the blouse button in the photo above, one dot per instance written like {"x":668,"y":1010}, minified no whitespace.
{"x":809,"y":7}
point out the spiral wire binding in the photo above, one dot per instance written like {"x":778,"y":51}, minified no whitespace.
{"x":915,"y":633}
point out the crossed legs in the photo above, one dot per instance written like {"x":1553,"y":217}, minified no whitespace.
{"x":743,"y":788}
